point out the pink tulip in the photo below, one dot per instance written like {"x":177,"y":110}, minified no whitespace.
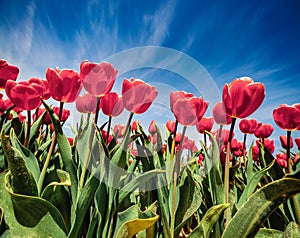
{"x":112,"y":104}
{"x":86,"y":103}
{"x":220,"y":115}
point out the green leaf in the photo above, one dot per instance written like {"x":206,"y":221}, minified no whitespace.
{"x":132,"y":220}
{"x":208,"y":221}
{"x":21,"y":179}
{"x":214,"y":170}
{"x":269,"y":233}
{"x":29,"y":158}
{"x":249,"y":169}
{"x":34,"y":130}
{"x":29,"y":210}
{"x":3,"y":225}
{"x":292,"y":230}
{"x":65,"y":151}
{"x":251,"y":186}
{"x":250,"y":217}
{"x":191,"y":200}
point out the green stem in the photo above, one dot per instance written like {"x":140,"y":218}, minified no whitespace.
{"x":175,"y":177}
{"x":108,"y":129}
{"x":244,"y":149}
{"x":227,"y":165}
{"x":128,"y":124}
{"x":288,"y":152}
{"x":97,"y":110}
{"x":44,"y":170}
{"x":28,"y":128}
{"x":61,"y":107}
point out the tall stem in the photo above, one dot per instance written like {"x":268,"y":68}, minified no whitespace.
{"x":97,"y":110}
{"x":204,"y":135}
{"x":288,"y":152}
{"x":108,"y":129}
{"x":28,"y":128}
{"x":244,"y":149}
{"x":61,"y":107}
{"x":128,"y":124}
{"x":44,"y":170}
{"x":175,"y":176}
{"x":227,"y":165}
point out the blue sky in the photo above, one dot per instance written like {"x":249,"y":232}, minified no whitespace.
{"x":229,"y":39}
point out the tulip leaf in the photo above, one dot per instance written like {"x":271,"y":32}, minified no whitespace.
{"x":21,"y":179}
{"x":214,"y":170}
{"x":208,"y":221}
{"x":132,"y":221}
{"x":252,"y":214}
{"x":35,"y":127}
{"x":83,"y":204}
{"x":269,"y":233}
{"x":29,"y":210}
{"x":65,"y":151}
{"x":3,"y":225}
{"x":251,"y":186}
{"x":29,"y":158}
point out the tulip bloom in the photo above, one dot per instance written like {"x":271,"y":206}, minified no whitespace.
{"x":283,"y":141}
{"x":98,"y":79}
{"x":24,"y":94}
{"x":249,"y":126}
{"x":112,"y":104}
{"x":287,"y":117}
{"x":152,"y":127}
{"x":7,"y":72}
{"x":242,"y":97}
{"x":223,"y":137}
{"x":187,"y":108}
{"x":205,"y":124}
{"x":64,"y":85}
{"x":281,"y":159}
{"x":297,"y":140}
{"x":119,"y":130}
{"x":171,"y":126}
{"x":137,"y":95}
{"x":264,"y":131}
{"x":86,"y":103}
{"x":220,"y":115}
{"x":268,"y":143}
{"x":47,"y":119}
{"x":45,"y":93}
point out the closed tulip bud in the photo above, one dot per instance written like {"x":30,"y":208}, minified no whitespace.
{"x":119,"y":130}
{"x":112,"y":104}
{"x":242,"y":97}
{"x":205,"y":124}
{"x":152,"y":127}
{"x":264,"y":131}
{"x":283,"y":141}
{"x":171,"y":126}
{"x":249,"y":126}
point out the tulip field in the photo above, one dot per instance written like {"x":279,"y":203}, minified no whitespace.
{"x":113,"y":180}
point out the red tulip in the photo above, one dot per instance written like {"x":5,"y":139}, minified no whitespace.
{"x":287,"y":117}
{"x":135,"y":125}
{"x":171,"y":126}
{"x":112,"y":104}
{"x":187,"y":108}
{"x":64,"y":85}
{"x":6,"y":104}
{"x":71,"y":141}
{"x":137,"y":95}
{"x":205,"y":124}
{"x":282,"y":160}
{"x":86,"y":103}
{"x":200,"y":159}
{"x":47,"y":119}
{"x":297,"y":140}
{"x":98,"y":79}
{"x":255,"y":153}
{"x":7,"y":72}
{"x":119,"y":130}
{"x":242,"y":97}
{"x":237,"y":147}
{"x":219,"y":114}
{"x":249,"y":126}
{"x":264,"y":131}
{"x":104,"y":135}
{"x":24,"y":94}
{"x":224,"y":137}
{"x":45,"y":93}
{"x":189,"y":145}
{"x":152,"y":127}
{"x":268,"y":143}
{"x":283,"y":141}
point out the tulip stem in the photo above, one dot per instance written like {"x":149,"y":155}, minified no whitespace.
{"x":44,"y":170}
{"x":288,"y":153}
{"x":61,"y":106}
{"x":108,"y":129}
{"x":244,"y":149}
{"x":204,"y":135}
{"x":175,"y":176}
{"x":97,"y":110}
{"x":227,"y":165}
{"x":28,"y":128}
{"x":173,"y":148}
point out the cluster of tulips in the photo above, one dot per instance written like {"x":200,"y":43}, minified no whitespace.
{"x":240,"y":99}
